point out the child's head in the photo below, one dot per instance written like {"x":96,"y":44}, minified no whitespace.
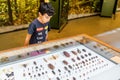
{"x":46,"y":11}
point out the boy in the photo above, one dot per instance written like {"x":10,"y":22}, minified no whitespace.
{"x":38,"y":29}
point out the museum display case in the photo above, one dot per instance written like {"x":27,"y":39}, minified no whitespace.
{"x":81,"y":8}
{"x":118,"y":5}
{"x":79,"y":57}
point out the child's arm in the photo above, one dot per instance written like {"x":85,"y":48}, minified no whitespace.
{"x":27,"y":39}
{"x":47,"y":37}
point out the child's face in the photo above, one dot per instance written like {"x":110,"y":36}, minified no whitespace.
{"x":45,"y":18}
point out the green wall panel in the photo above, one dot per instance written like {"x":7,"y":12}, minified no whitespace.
{"x":61,"y":13}
{"x":54,"y":23}
{"x":107,"y":8}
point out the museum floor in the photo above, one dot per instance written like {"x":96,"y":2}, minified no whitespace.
{"x":93,"y":26}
